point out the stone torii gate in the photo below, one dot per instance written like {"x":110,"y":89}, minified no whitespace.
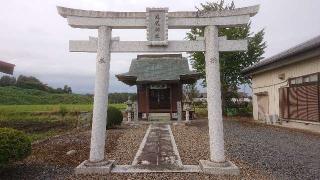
{"x":157,"y":21}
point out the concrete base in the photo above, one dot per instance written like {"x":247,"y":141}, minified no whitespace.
{"x":303,"y":125}
{"x":141,"y":169}
{"x":87,"y":167}
{"x":226,"y":168}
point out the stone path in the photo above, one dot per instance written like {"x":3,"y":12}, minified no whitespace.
{"x":158,"y":149}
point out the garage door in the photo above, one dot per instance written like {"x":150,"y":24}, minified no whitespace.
{"x":263,"y":106}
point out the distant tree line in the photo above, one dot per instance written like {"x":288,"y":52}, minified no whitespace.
{"x":30,"y":82}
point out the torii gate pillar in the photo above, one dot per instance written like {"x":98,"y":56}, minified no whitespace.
{"x":100,"y":105}
{"x":97,"y":157}
{"x":217,"y":163}
{"x":215,"y":123}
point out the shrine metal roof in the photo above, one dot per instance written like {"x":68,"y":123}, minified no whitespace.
{"x":153,"y":68}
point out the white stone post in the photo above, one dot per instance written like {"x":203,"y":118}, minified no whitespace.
{"x":136,"y":111}
{"x":187,"y":116}
{"x":129,"y":116}
{"x":179,"y":111}
{"x":100,"y":106}
{"x":216,"y":136}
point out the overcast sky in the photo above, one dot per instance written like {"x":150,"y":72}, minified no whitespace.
{"x":35,"y":38}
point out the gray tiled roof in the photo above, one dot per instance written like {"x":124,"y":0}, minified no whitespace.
{"x":303,"y":47}
{"x":153,"y":68}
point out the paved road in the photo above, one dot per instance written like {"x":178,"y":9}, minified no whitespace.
{"x":284,"y":153}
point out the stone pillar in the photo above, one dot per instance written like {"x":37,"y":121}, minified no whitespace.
{"x":187,"y":108}
{"x":187,"y":116}
{"x":129,"y":109}
{"x":216,"y":136}
{"x":179,"y":111}
{"x":100,"y":106}
{"x":136,"y":111}
{"x":129,"y":116}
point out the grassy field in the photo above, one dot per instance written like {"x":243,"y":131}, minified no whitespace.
{"x":51,"y":108}
{"x":42,"y":121}
{"x":11,"y":95}
{"x":35,"y":112}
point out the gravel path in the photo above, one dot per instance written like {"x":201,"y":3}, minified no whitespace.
{"x":261,"y":151}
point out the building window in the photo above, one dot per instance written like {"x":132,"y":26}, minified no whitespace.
{"x":314,"y":78}
{"x":293,"y":81}
{"x":307,"y":79}
{"x":299,"y":80}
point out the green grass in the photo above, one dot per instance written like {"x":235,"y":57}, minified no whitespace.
{"x":52,"y":108}
{"x":41,"y":114}
{"x":43,"y":121}
{"x":201,"y":112}
{"x":13,"y":95}
{"x":44,"y":108}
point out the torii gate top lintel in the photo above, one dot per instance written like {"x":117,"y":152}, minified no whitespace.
{"x":65,"y":12}
{"x":144,"y":20}
{"x":137,"y":20}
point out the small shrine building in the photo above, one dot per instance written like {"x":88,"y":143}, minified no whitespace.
{"x":159,"y":79}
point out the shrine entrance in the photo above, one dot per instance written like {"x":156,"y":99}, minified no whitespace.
{"x":157,"y":21}
{"x":159,"y":100}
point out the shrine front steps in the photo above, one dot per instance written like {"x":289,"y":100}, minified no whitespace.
{"x":159,"y":117}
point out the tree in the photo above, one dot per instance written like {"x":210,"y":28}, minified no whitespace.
{"x":67,"y":89}
{"x":231,"y":63}
{"x":59,"y":91}
{"x":30,"y":83}
{"x":7,"y":81}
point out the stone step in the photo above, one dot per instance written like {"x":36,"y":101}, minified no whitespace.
{"x":159,"y":116}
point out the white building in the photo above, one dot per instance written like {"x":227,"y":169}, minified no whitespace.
{"x":286,"y":86}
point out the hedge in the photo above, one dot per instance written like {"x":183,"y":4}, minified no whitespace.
{"x":14,"y":146}
{"x":114,"y":117}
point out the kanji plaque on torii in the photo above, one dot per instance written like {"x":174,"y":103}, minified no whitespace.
{"x":157,"y":27}
{"x":157,"y":21}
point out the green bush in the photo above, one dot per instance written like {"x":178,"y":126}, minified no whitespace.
{"x":241,"y":111}
{"x":114,"y":117}
{"x":245,"y":111}
{"x":63,"y":110}
{"x":14,"y":146}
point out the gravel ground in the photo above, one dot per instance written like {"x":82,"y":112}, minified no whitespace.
{"x":49,"y":160}
{"x":261,"y":151}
